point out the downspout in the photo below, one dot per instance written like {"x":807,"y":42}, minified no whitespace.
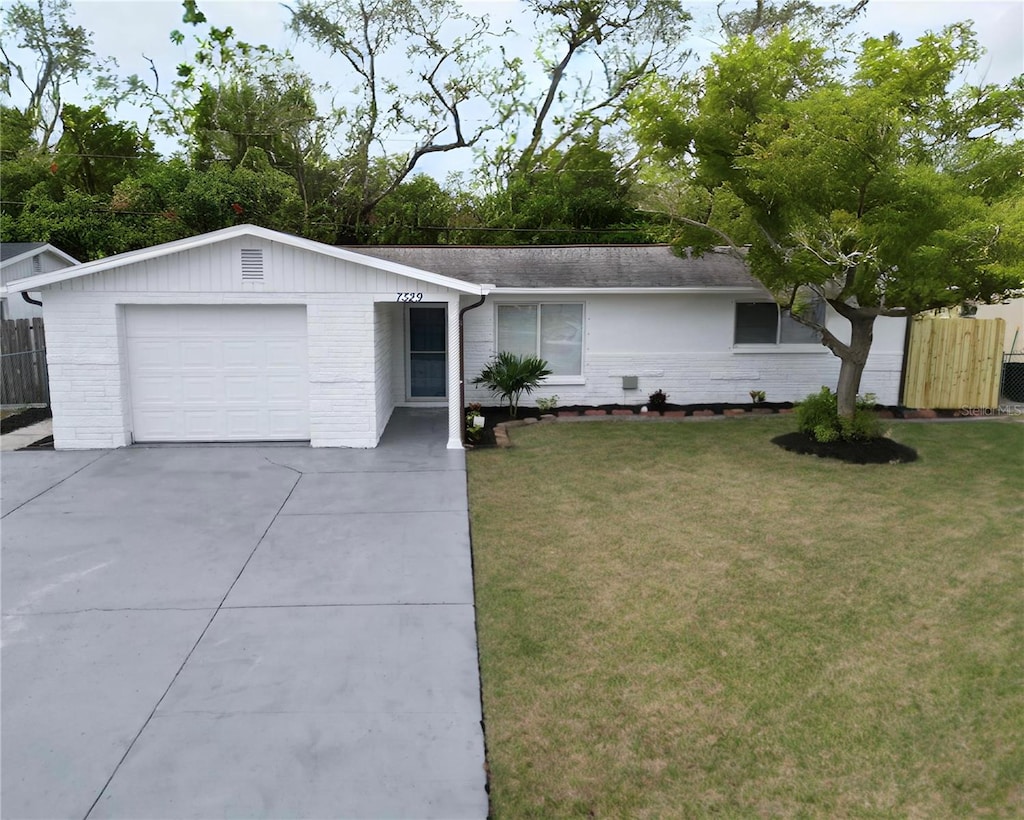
{"x":904,"y":368}
{"x":29,"y":299}
{"x":462,"y":368}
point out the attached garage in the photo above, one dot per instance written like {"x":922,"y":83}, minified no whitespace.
{"x":217,"y":372}
{"x":248,"y":334}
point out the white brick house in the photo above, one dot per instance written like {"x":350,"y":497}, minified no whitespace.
{"x":248,"y":334}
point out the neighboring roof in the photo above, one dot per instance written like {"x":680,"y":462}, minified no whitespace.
{"x":235,"y":231}
{"x":11,"y":252}
{"x":580,"y":267}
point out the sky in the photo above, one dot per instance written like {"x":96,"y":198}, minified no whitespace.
{"x":131,"y":30}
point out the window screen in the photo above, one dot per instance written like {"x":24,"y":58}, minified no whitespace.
{"x":554,"y":332}
{"x":756,"y":323}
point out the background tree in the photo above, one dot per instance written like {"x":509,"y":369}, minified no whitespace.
{"x":581,"y":194}
{"x":858,"y":191}
{"x":593,"y":53}
{"x":443,"y":56}
{"x":61,"y":53}
{"x":97,"y":153}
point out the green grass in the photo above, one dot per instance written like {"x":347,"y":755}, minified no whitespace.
{"x":683,"y":619}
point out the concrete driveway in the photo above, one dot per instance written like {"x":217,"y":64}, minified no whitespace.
{"x":276,"y":632}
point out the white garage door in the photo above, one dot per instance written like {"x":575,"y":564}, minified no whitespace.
{"x":218,"y":372}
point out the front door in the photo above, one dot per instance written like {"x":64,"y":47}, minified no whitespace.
{"x":427,"y":365}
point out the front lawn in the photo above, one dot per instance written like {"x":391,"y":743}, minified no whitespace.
{"x":683,"y":619}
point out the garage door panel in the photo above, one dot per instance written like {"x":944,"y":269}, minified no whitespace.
{"x":218,"y":372}
{"x":288,"y":421}
{"x":160,"y":425}
{"x":281,"y":353}
{"x":154,"y":354}
{"x":282,"y":388}
{"x":203,"y":425}
{"x":244,"y":389}
{"x":245,"y":424}
{"x":156,"y":390}
{"x":202,"y":390}
{"x":199,"y":354}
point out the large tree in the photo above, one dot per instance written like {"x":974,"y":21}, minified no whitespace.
{"x":414,"y":67}
{"x":591,"y":54}
{"x":47,"y":52}
{"x":866,"y":190}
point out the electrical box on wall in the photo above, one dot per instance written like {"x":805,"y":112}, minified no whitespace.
{"x":630,"y":383}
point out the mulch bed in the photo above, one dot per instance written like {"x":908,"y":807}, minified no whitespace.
{"x":24,"y":419}
{"x":871,"y":451}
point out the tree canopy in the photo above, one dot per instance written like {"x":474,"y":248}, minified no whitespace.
{"x":886,"y":191}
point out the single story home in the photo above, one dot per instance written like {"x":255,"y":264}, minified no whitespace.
{"x":19,"y":260}
{"x":247,"y":334}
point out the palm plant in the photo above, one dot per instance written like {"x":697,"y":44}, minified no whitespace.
{"x":510,"y":376}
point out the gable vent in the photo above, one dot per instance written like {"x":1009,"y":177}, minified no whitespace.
{"x":252,"y":264}
{"x":37,"y":265}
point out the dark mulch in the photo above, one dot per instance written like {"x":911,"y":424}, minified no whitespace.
{"x":42,"y":444}
{"x":871,"y":451}
{"x":24,"y":419}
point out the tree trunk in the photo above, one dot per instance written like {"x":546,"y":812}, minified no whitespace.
{"x":853,"y":361}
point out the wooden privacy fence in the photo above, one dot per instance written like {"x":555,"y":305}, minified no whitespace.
{"x":23,"y":378}
{"x":953,"y":363}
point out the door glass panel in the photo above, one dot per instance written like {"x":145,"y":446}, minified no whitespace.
{"x":427,"y":377}
{"x":428,"y":331}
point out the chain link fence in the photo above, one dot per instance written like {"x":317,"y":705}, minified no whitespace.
{"x":1013,"y":377}
{"x":23,"y":378}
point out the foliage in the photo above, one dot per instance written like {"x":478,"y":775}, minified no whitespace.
{"x":658,"y":400}
{"x":548,"y":404}
{"x":473,"y":429}
{"x":442,"y":53}
{"x":818,"y":416}
{"x":95,"y":153}
{"x":626,"y":39}
{"x":579,"y":195}
{"x":865,"y":191}
{"x":509,"y":376}
{"x":62,"y":53}
{"x":757,"y":396}
{"x":216,"y":55}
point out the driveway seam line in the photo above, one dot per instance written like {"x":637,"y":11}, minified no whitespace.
{"x":43,"y":492}
{"x":16,"y":614}
{"x":191,"y":651}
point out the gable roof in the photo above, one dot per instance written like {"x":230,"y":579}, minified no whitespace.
{"x":11,"y":252}
{"x":130,"y":257}
{"x":609,"y":268}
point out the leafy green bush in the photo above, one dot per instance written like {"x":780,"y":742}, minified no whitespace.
{"x":510,"y":376}
{"x":818,"y":416}
{"x":548,"y":404}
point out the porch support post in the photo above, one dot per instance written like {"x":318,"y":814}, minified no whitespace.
{"x":454,"y":377}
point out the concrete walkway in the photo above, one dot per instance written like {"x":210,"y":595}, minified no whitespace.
{"x":23,"y":437}
{"x":260,"y":632}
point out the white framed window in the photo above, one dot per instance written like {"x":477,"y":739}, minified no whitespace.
{"x":551,"y":330}
{"x":765,"y":323}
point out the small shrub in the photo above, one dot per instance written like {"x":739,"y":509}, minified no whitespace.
{"x":757,"y":396}
{"x":510,"y":376}
{"x":818,"y":416}
{"x":547,"y":405}
{"x":658,"y":400}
